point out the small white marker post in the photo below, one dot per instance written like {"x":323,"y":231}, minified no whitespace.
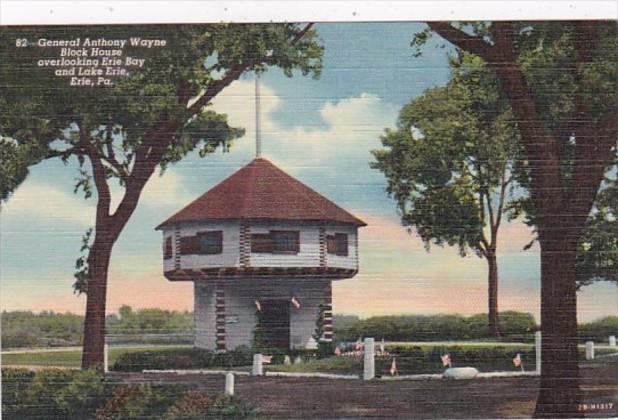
{"x":612,"y":341}
{"x":257,"y":365}
{"x":537,"y":349}
{"x":105,"y":358}
{"x":589,"y":350}
{"x":369,"y":362}
{"x":229,"y":384}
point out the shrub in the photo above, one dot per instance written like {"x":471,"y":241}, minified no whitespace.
{"x":50,"y":393}
{"x":40,"y":397}
{"x":181,"y":359}
{"x":599,"y":330}
{"x":15,"y":382}
{"x":325,"y":349}
{"x":126,"y":402}
{"x":82,"y":394}
{"x":232,"y":407}
{"x":138,"y":402}
{"x":434,"y":327}
{"x":192,"y":405}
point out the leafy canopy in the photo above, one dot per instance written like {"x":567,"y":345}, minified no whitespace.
{"x":450,"y":160}
{"x":42,"y":116}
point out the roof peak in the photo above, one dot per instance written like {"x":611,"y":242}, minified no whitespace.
{"x":261,"y":190}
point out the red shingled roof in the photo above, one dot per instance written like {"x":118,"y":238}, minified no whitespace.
{"x":260,"y":190}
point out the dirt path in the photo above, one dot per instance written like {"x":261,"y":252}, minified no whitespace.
{"x":323,"y":398}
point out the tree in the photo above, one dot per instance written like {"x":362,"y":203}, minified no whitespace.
{"x":148,"y":120}
{"x":597,"y":256}
{"x":561,"y":81}
{"x":449,"y":165}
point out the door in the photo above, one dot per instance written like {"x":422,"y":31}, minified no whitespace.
{"x":276,"y":322}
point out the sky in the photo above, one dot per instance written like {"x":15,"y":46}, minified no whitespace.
{"x":319,"y":131}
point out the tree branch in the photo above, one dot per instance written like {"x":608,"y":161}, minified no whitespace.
{"x":592,"y":159}
{"x":473,"y":44}
{"x":504,"y":182}
{"x":98,"y":173}
{"x":541,"y":148}
{"x":234,"y":73}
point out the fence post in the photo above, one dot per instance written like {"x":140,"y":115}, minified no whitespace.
{"x":105,"y":357}
{"x":537,"y":349}
{"x":369,"y":362}
{"x":589,"y":350}
{"x":229,"y":384}
{"x":612,"y":341}
{"x":257,"y":365}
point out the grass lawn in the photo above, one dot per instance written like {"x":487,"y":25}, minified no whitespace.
{"x":464,"y":344}
{"x":73,"y":358}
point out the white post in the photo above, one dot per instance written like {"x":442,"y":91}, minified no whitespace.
{"x":589,"y":350}
{"x":537,"y":348}
{"x":257,"y":365}
{"x":105,"y":358}
{"x":612,"y":341}
{"x":229,"y":384}
{"x":369,"y":363}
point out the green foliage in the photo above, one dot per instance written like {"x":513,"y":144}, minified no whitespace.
{"x":451,"y":158}
{"x":81,"y":265}
{"x":26,"y":329}
{"x":15,"y":382}
{"x":77,"y":395}
{"x":51,"y":329}
{"x":50,"y":394}
{"x":193,"y":405}
{"x":513,"y":325}
{"x":599,"y":330}
{"x":325,"y":348}
{"x":150,"y":320}
{"x":190,"y":358}
{"x":571,"y":72}
{"x":196,"y":405}
{"x":46,"y":117}
{"x":231,"y":407}
{"x":14,"y":162}
{"x":412,"y":360}
{"x":258,"y":343}
{"x":138,"y":402}
{"x":597,"y":256}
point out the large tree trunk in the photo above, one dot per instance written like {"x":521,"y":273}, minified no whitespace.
{"x":94,"y":325}
{"x":492,"y":287}
{"x":559,"y":392}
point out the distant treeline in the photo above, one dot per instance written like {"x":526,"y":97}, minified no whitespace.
{"x":51,"y":329}
{"x":514,"y":326}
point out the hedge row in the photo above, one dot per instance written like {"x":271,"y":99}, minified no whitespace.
{"x":73,"y":395}
{"x":513,"y":326}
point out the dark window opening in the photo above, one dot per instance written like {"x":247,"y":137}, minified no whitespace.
{"x":167,"y":248}
{"x":261,"y":242}
{"x":276,"y":242}
{"x":337,"y":244}
{"x":204,"y":243}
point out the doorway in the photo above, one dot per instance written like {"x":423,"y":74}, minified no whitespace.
{"x":276,"y":323}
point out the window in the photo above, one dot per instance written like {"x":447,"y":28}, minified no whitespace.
{"x":276,"y":242}
{"x":337,"y":244}
{"x":286,"y":241}
{"x":261,"y":242}
{"x":204,"y":243}
{"x":167,"y":248}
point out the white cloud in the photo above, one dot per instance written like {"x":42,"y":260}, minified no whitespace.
{"x":351,"y":128}
{"x":167,"y":190}
{"x":48,"y":203}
